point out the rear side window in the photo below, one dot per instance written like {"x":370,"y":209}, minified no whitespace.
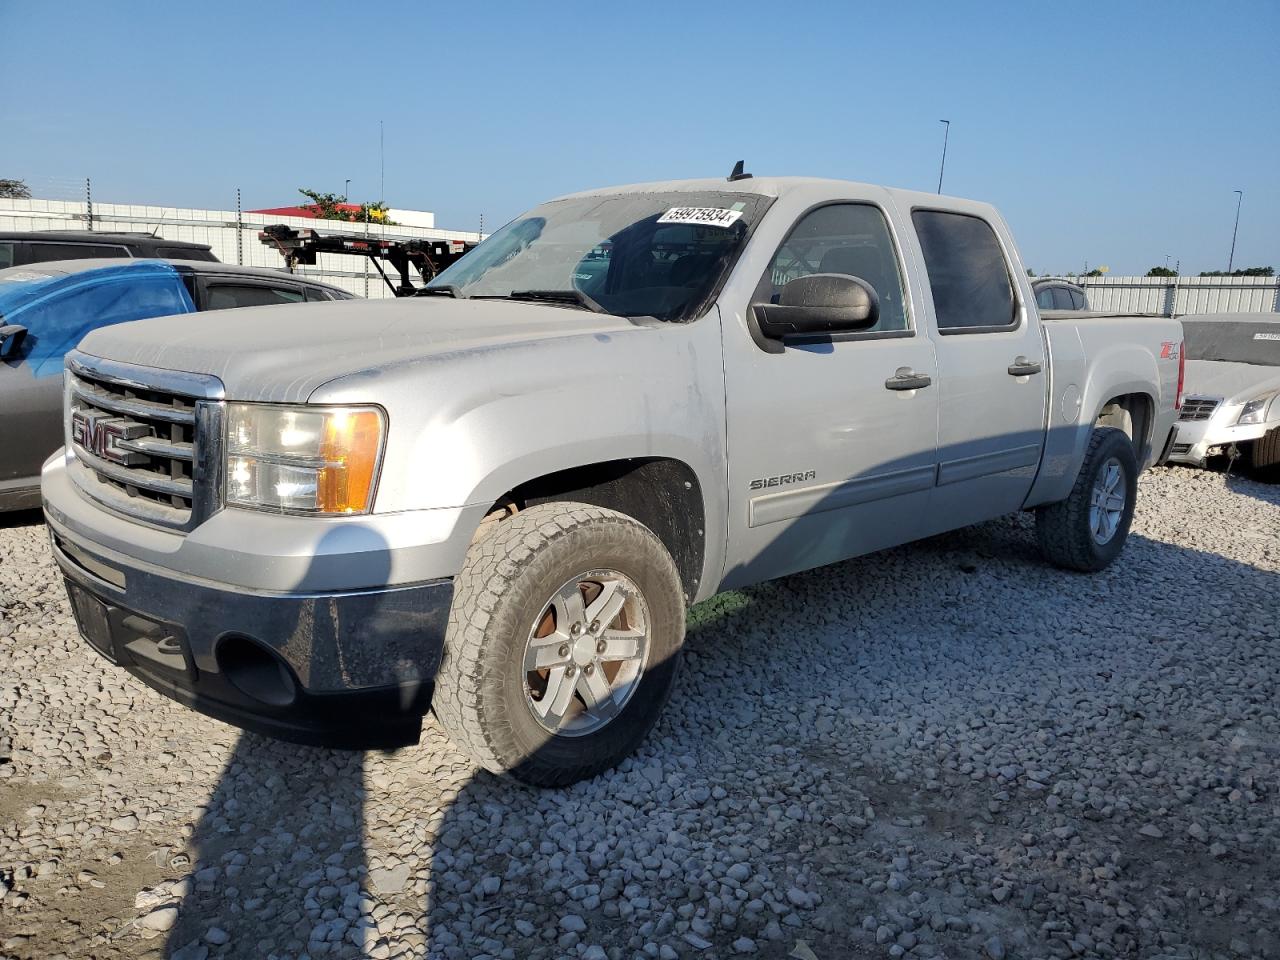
{"x":1062,"y":299}
{"x":967,"y":272}
{"x":186,"y":253}
{"x":1078,"y":301}
{"x":227,"y":296}
{"x":316,"y":295}
{"x":32,"y":252}
{"x":1044,"y":298}
{"x":6,"y":254}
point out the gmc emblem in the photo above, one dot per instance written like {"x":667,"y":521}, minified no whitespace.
{"x":98,"y":434}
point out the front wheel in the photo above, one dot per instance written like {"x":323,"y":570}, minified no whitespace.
{"x":1264,"y":453}
{"x":563,"y":643}
{"x":1088,"y":530}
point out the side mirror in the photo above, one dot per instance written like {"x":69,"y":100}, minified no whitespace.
{"x":819,"y":304}
{"x":11,"y":337}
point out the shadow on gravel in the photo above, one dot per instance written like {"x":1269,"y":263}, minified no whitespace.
{"x":747,"y":822}
{"x":283,"y":819}
{"x":689,"y":847}
{"x":21,"y":518}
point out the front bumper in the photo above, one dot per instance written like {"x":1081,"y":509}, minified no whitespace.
{"x":1197,"y":440}
{"x":337,"y":669}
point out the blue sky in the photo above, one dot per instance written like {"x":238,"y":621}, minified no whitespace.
{"x":1113,"y":133}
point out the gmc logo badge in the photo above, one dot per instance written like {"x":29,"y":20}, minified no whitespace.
{"x":98,"y":433}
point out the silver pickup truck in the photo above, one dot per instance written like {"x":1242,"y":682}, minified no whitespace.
{"x":497,"y":500}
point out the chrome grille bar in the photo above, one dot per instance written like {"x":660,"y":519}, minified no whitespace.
{"x":145,"y":443}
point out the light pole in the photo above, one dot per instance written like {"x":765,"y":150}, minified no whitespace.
{"x":942,"y":169}
{"x":1239,"y":200}
{"x":346,"y":190}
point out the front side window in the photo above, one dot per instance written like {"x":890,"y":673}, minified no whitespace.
{"x":1078,"y":301}
{"x":967,"y":271}
{"x":227,"y":296}
{"x":6,"y":254}
{"x":1044,"y":298}
{"x":847,"y":238}
{"x":1062,"y":299}
{"x":661,"y":254}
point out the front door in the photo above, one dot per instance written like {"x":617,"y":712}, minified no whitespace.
{"x":831,"y":445}
{"x":991,"y":366}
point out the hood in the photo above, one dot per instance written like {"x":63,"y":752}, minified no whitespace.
{"x":1231,"y":381}
{"x":283,"y":353}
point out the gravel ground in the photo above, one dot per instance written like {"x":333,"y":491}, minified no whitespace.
{"x":946,"y":750}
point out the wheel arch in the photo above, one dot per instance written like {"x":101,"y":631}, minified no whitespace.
{"x":662,"y":493}
{"x":1134,"y":413}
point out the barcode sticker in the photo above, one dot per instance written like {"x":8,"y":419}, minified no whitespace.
{"x":701,"y":216}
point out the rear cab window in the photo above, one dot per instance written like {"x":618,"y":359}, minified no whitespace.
{"x":968,"y":275}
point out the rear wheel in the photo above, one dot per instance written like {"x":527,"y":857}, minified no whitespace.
{"x":1088,"y":530}
{"x":563,"y":643}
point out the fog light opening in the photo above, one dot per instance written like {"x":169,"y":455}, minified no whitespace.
{"x":256,"y":671}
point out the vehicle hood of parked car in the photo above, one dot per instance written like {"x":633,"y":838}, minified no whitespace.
{"x":1237,"y":382}
{"x":282,"y":354}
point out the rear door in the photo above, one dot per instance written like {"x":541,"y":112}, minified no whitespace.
{"x":991,"y":371}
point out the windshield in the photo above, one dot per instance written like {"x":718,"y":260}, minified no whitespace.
{"x":659,"y":255}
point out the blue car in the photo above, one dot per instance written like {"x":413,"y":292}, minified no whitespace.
{"x":46,"y":308}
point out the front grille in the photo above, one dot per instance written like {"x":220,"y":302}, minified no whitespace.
{"x":1198,"y":408}
{"x":141,"y":447}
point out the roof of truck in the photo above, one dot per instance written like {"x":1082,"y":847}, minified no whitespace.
{"x":770,"y":187}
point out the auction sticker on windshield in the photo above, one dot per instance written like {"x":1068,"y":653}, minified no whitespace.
{"x":702,"y":216}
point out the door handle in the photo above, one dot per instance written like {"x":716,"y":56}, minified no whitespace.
{"x":904,"y":378}
{"x":1022,"y":367}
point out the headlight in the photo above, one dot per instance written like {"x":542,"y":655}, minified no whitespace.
{"x":1255,"y":411}
{"x":309,"y":459}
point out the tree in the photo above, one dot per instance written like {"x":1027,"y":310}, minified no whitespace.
{"x":330,"y":206}
{"x":1096,"y":272}
{"x":14,"y":190}
{"x":1246,"y":272}
{"x":1161,"y":272}
{"x":1030,"y":272}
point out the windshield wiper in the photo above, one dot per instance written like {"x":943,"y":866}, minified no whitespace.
{"x":559,"y":296}
{"x":451,"y":289}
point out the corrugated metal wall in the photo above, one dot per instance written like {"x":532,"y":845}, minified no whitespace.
{"x":1180,"y":295}
{"x":232,"y":241}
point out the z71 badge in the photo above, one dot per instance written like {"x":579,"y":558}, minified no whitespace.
{"x":782,"y":479}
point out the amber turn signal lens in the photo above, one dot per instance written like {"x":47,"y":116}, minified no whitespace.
{"x":352,"y":441}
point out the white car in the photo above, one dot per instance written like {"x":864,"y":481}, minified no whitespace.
{"x":1229,"y":405}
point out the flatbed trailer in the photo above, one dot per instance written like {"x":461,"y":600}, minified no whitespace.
{"x":426,"y":256}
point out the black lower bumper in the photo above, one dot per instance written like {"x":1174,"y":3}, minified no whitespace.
{"x":350,"y":670}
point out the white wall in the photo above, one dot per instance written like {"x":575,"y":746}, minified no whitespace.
{"x":1175,"y":296}
{"x":232,"y":241}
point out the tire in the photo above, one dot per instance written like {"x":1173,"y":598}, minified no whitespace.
{"x":1070,"y":533}
{"x":1264,"y":453}
{"x":514,"y":601}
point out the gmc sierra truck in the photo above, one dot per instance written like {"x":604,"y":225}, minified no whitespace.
{"x":497,"y":499}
